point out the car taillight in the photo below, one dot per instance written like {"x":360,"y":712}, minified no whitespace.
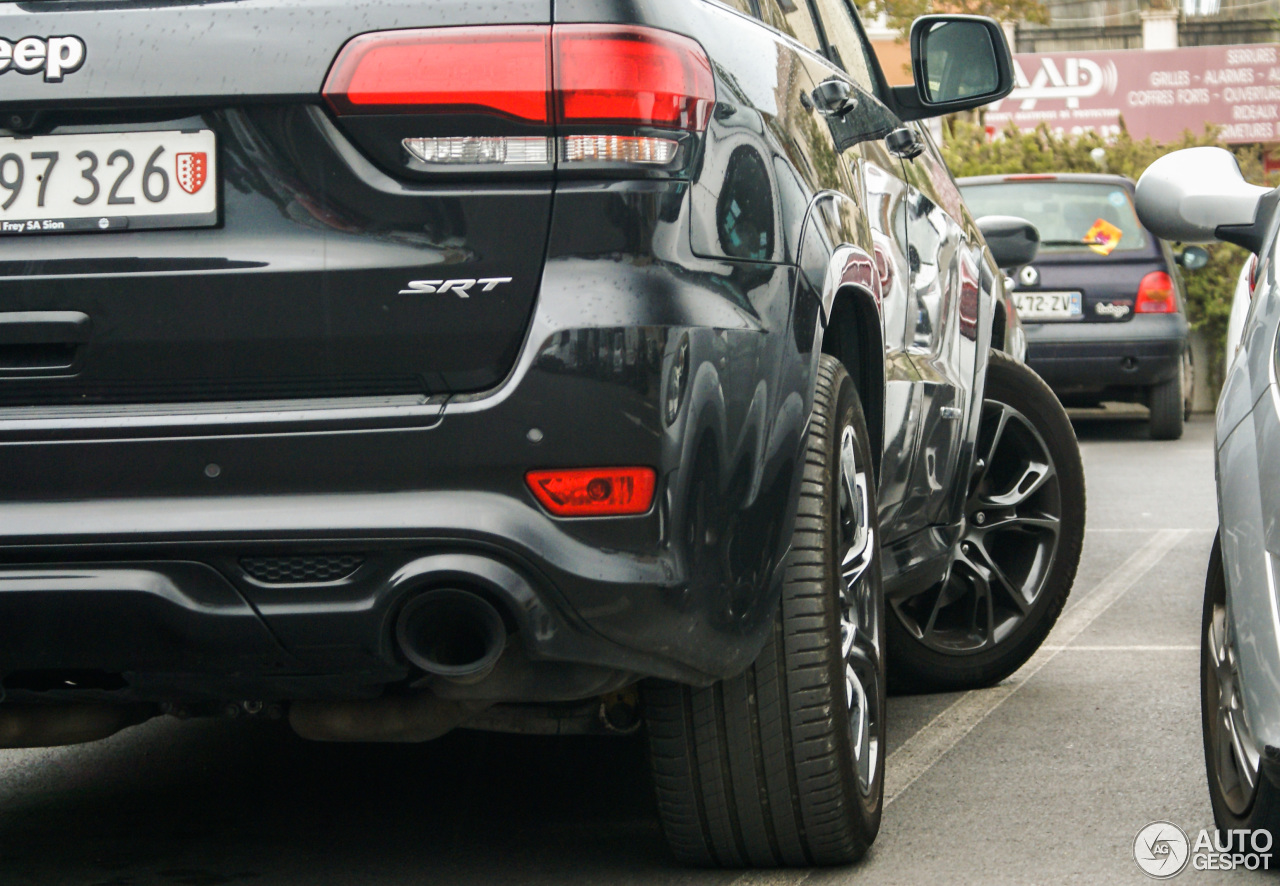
{"x":602,"y":89}
{"x":593,"y":492}
{"x":634,"y":76}
{"x":1156,"y":295}
{"x":500,"y":71}
{"x":1252,"y":274}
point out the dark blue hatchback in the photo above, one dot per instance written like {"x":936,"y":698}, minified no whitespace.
{"x":1102,"y":304}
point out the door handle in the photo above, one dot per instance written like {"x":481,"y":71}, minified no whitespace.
{"x":43,"y":328}
{"x":903,"y":143}
{"x":834,"y":98}
{"x":41,"y":342}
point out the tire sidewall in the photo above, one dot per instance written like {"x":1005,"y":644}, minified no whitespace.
{"x":1215,"y":591}
{"x":848,"y":413}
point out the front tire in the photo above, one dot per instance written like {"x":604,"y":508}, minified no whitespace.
{"x":784,"y":764}
{"x":1015,"y":561}
{"x":1241,"y":794}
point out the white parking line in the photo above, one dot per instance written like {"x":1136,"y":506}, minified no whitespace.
{"x":1122,"y":648}
{"x":772,"y":878}
{"x":1089,"y":529}
{"x":921,"y":751}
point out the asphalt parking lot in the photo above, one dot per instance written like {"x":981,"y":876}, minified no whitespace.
{"x":1044,"y":779}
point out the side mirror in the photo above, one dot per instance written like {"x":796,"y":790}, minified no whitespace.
{"x":1198,"y":194}
{"x":959,"y":61}
{"x":1193,"y":258}
{"x":1013,"y":241}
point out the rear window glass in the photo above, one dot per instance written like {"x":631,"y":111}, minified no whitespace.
{"x":1071,"y":216}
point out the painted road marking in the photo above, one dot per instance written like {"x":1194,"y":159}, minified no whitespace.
{"x":920,"y":752}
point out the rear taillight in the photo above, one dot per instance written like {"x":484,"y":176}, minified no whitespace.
{"x":591,"y":97}
{"x":1156,"y":295}
{"x":633,"y":76}
{"x":593,"y":492}
{"x":1252,"y":274}
{"x":499,"y":71}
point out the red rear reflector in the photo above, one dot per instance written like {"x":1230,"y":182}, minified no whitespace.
{"x":1155,"y":295}
{"x":446,"y":70}
{"x":593,"y":492}
{"x":630,"y":75}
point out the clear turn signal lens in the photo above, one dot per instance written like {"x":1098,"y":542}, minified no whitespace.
{"x":479,"y":151}
{"x":632,"y":149}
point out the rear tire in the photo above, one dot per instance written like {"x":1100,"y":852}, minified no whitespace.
{"x":1167,"y":409}
{"x":1188,"y":385}
{"x":784,"y":764}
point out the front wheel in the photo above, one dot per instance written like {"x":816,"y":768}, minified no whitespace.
{"x":1016,"y":556}
{"x":1240,"y":793}
{"x":784,"y":764}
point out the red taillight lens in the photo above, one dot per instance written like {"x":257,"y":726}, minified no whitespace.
{"x":603,"y":74}
{"x":634,"y":76}
{"x":1156,"y":295}
{"x":1253,"y":274}
{"x":594,"y":492}
{"x":504,"y":71}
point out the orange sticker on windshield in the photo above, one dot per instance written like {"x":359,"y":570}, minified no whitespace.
{"x":1103,"y":237}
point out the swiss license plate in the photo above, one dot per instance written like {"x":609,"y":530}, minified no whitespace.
{"x":109,"y":181}
{"x":1048,"y":305}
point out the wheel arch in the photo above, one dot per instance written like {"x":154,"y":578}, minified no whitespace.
{"x":997,"y":326}
{"x":853,"y":336}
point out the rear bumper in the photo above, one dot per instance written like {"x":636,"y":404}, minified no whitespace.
{"x":122,"y":548}
{"x":1096,"y":357}
{"x":205,"y":631}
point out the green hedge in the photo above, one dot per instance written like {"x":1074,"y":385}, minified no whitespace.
{"x":1209,"y":290}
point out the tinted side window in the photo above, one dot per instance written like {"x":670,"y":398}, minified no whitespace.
{"x":792,"y":17}
{"x":846,"y":41}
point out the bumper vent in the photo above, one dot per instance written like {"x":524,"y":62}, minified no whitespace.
{"x":311,"y":569}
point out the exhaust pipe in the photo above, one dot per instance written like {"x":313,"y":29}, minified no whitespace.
{"x":55,"y":725}
{"x":451,"y":633}
{"x":420,"y":716}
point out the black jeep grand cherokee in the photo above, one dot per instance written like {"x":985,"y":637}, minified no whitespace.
{"x":519,"y":365}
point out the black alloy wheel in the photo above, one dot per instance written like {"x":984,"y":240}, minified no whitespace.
{"x":784,"y":764}
{"x":1015,"y":560}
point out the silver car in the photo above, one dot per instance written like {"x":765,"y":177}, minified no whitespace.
{"x":1198,"y":194}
